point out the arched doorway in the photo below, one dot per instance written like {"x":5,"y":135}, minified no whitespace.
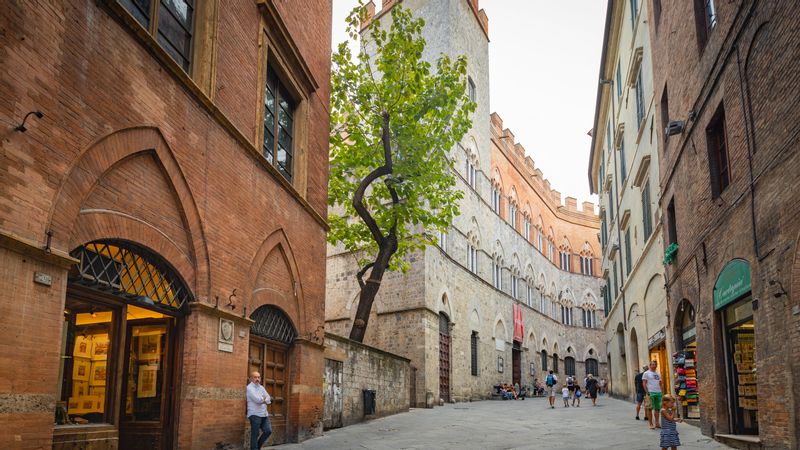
{"x":635,"y":352}
{"x":444,"y":357}
{"x":271,"y":337}
{"x":122,"y":315}
{"x":623,"y":361}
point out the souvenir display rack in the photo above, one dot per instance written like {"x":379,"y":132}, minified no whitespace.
{"x":686,"y":381}
{"x":743,"y":358}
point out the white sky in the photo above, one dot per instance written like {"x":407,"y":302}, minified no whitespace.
{"x":544,"y":58}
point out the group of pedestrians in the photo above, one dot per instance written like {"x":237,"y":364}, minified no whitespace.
{"x":571,"y":390}
{"x":659,"y":409}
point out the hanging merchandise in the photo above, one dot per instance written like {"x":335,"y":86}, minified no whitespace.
{"x":686,"y":381}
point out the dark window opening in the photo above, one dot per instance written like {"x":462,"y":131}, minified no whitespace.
{"x":705,"y":19}
{"x":718,"y":153}
{"x":471,"y":87}
{"x":664,"y":113}
{"x":544,"y":360}
{"x":474,"y":353}
{"x":569,"y":366}
{"x":671,"y":227}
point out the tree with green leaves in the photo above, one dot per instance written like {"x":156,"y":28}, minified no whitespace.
{"x":394,"y":117}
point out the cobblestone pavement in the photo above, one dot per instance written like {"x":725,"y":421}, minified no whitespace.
{"x":496,"y":424}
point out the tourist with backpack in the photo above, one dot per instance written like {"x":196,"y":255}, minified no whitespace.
{"x":551,"y":388}
{"x":571,"y":387}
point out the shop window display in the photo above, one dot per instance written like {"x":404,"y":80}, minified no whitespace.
{"x":86,"y":339}
{"x":685,"y":363}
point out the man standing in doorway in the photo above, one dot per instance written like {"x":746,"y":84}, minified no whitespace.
{"x":640,"y":392}
{"x":257,"y":401}
{"x":651,"y":383}
{"x":551,"y":388}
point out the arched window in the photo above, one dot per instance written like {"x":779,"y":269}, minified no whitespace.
{"x":555,"y":362}
{"x":544,"y":360}
{"x":269,"y":322}
{"x":131,"y":271}
{"x":687,"y":333}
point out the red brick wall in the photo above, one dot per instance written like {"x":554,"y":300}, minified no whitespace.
{"x":121,"y":133}
{"x":750,"y":64}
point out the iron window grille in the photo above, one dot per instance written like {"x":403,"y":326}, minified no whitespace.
{"x":569,"y":366}
{"x":131,"y":271}
{"x":591,"y":367}
{"x":272,"y":323}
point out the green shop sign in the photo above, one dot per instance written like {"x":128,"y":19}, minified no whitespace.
{"x":732,"y":283}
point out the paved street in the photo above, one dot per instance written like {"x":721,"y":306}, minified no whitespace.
{"x":508,"y":424}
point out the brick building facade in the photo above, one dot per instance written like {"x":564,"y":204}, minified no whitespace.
{"x":162,"y":224}
{"x":514,"y":246}
{"x":726,"y":77}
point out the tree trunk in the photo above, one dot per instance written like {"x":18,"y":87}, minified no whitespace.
{"x":387,"y":245}
{"x":370,"y":288}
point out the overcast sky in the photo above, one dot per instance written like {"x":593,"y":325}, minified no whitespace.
{"x":544,"y":59}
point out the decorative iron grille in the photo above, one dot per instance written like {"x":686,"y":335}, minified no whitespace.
{"x":272,"y":323}
{"x":131,"y":271}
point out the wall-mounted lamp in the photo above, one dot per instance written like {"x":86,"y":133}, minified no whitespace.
{"x":674,"y":127}
{"x":21,"y":127}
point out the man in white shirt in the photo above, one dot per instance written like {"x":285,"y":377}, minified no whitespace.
{"x":257,"y":401}
{"x":651,"y":382}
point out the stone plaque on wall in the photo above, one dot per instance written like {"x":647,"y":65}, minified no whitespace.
{"x":226,"y":330}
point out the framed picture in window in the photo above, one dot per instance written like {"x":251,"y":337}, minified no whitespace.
{"x":149,"y":347}
{"x":100,"y":347}
{"x":146,"y":387}
{"x":80,"y":369}
{"x":500,"y":364}
{"x":83,"y":347}
{"x":80,"y":388}
{"x":98,"y":374}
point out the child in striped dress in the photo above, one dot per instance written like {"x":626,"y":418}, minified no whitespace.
{"x":669,"y":433}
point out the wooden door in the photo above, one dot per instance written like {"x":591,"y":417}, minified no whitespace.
{"x":270,"y":359}
{"x":516,"y":365}
{"x":146,"y":416}
{"x":444,"y":358}
{"x":333,"y":402}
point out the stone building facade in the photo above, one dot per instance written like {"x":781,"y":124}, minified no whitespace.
{"x":514,"y":246}
{"x":726,"y":77}
{"x":623,"y":170}
{"x":156,"y":243}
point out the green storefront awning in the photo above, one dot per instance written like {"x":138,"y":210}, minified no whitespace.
{"x":732,"y":283}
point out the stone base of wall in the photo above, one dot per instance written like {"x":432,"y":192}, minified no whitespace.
{"x":365,"y":367}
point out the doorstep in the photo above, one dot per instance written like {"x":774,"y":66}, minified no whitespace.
{"x":749,"y":438}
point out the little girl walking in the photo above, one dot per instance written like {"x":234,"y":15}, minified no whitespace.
{"x":669,"y":433}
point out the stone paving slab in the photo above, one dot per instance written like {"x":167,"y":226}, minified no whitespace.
{"x":497,"y":424}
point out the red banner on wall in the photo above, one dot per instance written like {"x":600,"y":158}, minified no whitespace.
{"x":518,"y":329}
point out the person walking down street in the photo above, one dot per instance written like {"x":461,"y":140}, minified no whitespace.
{"x":592,"y":388}
{"x":571,"y":386}
{"x":602,"y":385}
{"x":578,"y":395}
{"x":550,"y":382}
{"x":565,"y":395}
{"x":257,"y":401}
{"x":669,"y":431}
{"x":651,"y":382}
{"x":639,"y":391}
